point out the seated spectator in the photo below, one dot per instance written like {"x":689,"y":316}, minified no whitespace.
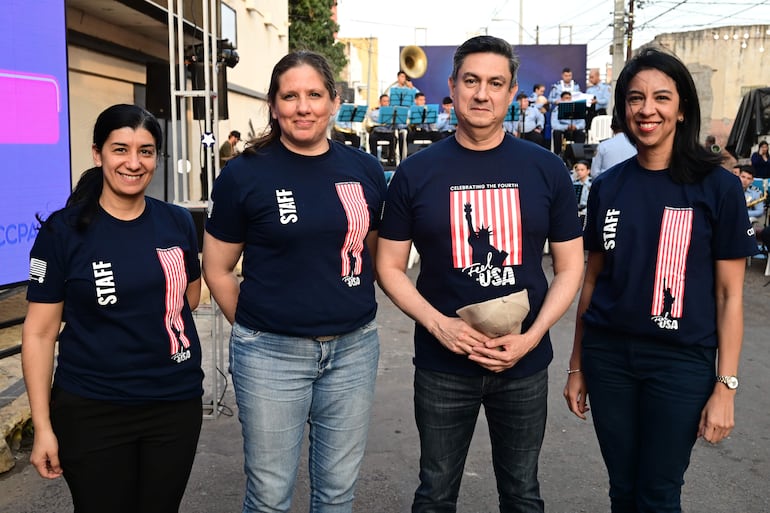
{"x":613,"y":151}
{"x":538,"y":90}
{"x":760,"y":162}
{"x":572,"y":129}
{"x":566,"y":84}
{"x":755,"y":199}
{"x":383,"y":130}
{"x":421,"y":131}
{"x":343,"y":132}
{"x":444,"y":123}
{"x":582,"y":182}
{"x":601,"y":96}
{"x":531,"y":121}
{"x":755,"y":196}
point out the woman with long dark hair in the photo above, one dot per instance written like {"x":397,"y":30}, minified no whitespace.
{"x":121,"y":270}
{"x":304,"y":213}
{"x":660,"y":316}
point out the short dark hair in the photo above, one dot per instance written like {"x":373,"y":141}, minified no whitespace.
{"x":521,"y":96}
{"x":486,"y":44}
{"x":446,"y":101}
{"x":690,"y":161}
{"x":746,"y":169}
{"x":566,"y":70}
{"x":236,"y":134}
{"x":565,"y":93}
{"x":419,"y":95}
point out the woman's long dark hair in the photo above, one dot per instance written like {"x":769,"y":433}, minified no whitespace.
{"x":89,"y":186}
{"x":690,"y":161}
{"x":292,"y":60}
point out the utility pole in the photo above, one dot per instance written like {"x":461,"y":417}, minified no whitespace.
{"x":618,"y":35}
{"x":630,"y":32}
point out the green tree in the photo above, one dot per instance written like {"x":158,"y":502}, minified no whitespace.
{"x":312,"y":28}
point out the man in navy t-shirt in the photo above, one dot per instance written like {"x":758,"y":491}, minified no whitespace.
{"x":479,"y":207}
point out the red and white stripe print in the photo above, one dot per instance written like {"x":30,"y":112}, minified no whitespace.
{"x":496,"y":209}
{"x":351,"y":195}
{"x":173,"y":265}
{"x":673,"y":248}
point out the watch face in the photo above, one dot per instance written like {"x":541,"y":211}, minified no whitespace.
{"x":730,"y":382}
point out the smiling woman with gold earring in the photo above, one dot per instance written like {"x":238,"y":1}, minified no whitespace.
{"x":660,"y":316}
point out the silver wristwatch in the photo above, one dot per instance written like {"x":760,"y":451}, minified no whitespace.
{"x":730,"y":382}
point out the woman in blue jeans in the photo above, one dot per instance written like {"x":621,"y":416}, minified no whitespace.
{"x":660,"y":316}
{"x":304,"y":212}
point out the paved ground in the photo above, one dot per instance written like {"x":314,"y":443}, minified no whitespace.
{"x":730,"y":477}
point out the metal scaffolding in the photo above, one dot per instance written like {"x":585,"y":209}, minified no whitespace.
{"x":182,"y":96}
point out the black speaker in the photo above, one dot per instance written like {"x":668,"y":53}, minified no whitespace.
{"x":198,"y":82}
{"x":579,"y":151}
{"x":158,"y":90}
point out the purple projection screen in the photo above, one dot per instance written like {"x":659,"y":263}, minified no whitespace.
{"x":34,"y":126}
{"x":538,"y":64}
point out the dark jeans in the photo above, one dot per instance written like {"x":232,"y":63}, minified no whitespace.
{"x":125,"y":459}
{"x":446,"y":408}
{"x":646,"y":399}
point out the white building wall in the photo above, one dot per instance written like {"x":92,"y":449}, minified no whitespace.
{"x":98,"y":81}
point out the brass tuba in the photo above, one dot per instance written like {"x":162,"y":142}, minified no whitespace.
{"x":413,"y":61}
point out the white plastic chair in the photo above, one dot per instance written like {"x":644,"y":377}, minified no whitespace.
{"x":600,"y":129}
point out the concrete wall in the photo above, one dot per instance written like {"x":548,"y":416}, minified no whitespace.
{"x":723,"y":69}
{"x":98,"y":80}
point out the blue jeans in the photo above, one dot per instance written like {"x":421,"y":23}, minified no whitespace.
{"x":446,"y":408}
{"x":281,"y":383}
{"x":646,"y":399}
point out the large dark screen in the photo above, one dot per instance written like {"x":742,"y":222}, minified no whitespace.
{"x":34,"y":127}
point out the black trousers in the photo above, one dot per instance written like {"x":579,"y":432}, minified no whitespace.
{"x":125,"y":459}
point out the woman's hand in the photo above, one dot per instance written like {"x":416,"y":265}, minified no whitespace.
{"x":45,"y":454}
{"x":576,"y":394}
{"x":717,"y":419}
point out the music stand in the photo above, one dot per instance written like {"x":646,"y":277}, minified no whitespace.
{"x":578,"y":191}
{"x":393,"y":115}
{"x":452,"y":117}
{"x":512,"y":114}
{"x":351,"y":113}
{"x":572,"y":110}
{"x":422,"y":114}
{"x":402,"y":96}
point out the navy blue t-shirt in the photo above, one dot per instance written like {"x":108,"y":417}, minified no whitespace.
{"x":303,"y":220}
{"x":660,"y":241}
{"x":129,"y":335}
{"x":479,"y":220}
